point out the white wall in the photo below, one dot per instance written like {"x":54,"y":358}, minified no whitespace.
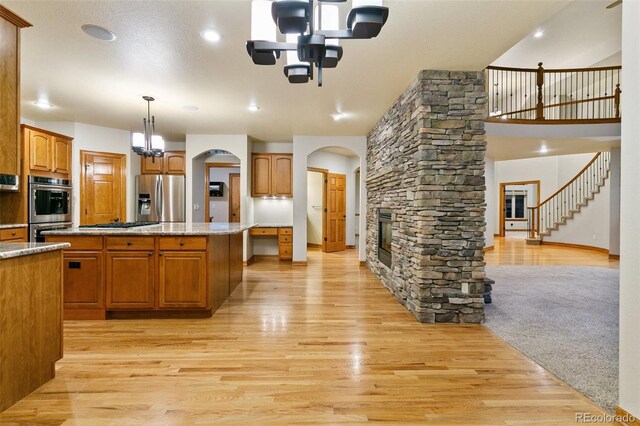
{"x":314,"y":207}
{"x":614,"y":203}
{"x":553,"y":172}
{"x":629,"y":207}
{"x":87,"y":137}
{"x":490,"y":197}
{"x":238,"y":145}
{"x":591,"y":226}
{"x":302,"y":147}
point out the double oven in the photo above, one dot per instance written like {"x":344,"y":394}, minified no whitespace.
{"x":49,"y":205}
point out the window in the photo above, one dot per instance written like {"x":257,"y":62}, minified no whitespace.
{"x":515,"y":204}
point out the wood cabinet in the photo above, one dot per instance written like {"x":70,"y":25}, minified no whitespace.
{"x":130,"y":279}
{"x":10,"y":25}
{"x":285,"y":239}
{"x":13,"y":235}
{"x":112,"y":275}
{"x":173,"y":163}
{"x":272,"y":175}
{"x":49,"y":154}
{"x":30,"y":323}
{"x":61,"y":155}
{"x":83,"y":277}
{"x":285,"y":243}
{"x":183,"y":279}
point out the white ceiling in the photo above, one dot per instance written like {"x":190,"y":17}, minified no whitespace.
{"x":512,"y":148}
{"x":159,"y":52}
{"x":583,"y":34}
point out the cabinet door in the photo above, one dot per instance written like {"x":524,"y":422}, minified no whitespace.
{"x":183,"y":279}
{"x":40,"y":151}
{"x":151,"y":165}
{"x":130,"y":280}
{"x":61,"y":156}
{"x":174,"y":163}
{"x":10,"y":99}
{"x":83,"y":279}
{"x":261,"y":175}
{"x":281,"y":175}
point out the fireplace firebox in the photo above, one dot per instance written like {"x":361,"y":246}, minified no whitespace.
{"x":385,"y":225}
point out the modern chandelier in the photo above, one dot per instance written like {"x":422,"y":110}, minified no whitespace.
{"x":148,"y":144}
{"x":311,"y":33}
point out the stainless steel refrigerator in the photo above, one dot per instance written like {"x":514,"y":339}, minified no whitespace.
{"x":160,"y":198}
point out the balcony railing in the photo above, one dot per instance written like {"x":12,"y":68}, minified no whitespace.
{"x":561,"y":96}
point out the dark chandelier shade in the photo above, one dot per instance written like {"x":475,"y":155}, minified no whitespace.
{"x":314,"y":47}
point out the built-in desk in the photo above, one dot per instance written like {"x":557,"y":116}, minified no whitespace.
{"x":284,"y":235}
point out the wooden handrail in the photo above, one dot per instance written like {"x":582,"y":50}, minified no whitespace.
{"x":581,"y":101}
{"x":593,"y":160}
{"x":615,"y":67}
{"x":539,"y":94}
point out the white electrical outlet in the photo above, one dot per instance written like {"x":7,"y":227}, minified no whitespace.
{"x":196,"y":206}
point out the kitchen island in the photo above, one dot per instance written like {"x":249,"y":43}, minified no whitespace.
{"x":30,"y":317}
{"x":164,"y":270}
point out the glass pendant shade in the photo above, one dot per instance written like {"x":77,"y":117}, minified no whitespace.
{"x":137,"y":140}
{"x":262,"y":26}
{"x":292,"y":55}
{"x":157,"y":143}
{"x":363,"y":3}
{"x":330,"y":21}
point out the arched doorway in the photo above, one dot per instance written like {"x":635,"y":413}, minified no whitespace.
{"x":332,"y":205}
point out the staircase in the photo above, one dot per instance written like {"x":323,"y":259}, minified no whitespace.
{"x":569,"y":200}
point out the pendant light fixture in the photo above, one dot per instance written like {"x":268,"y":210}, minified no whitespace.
{"x":148,"y":144}
{"x":311,"y":31}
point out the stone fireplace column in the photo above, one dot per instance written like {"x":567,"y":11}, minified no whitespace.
{"x":425,"y":162}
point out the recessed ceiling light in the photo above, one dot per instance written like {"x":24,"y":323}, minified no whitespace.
{"x":253,"y":108}
{"x":210,"y":35}
{"x":98,"y":32}
{"x":190,"y":108}
{"x":338,"y":115}
{"x":538,"y":34}
{"x":43,"y":104}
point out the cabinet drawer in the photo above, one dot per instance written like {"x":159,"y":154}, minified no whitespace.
{"x":285,"y":251}
{"x":129,"y":243}
{"x":263,"y":231}
{"x":13,"y":234}
{"x":285,"y":239}
{"x":285,"y":231}
{"x":77,"y":243}
{"x":183,"y":243}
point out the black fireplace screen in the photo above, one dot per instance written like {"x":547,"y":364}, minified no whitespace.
{"x":385,"y":225}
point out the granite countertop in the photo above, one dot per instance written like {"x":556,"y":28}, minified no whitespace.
{"x":219,"y":228}
{"x":13,"y":225}
{"x":9,"y":250}
{"x":274,"y":225}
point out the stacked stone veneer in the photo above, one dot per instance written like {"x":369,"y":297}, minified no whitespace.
{"x":425,"y":162}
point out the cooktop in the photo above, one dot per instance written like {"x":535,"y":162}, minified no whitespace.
{"x":119,"y":225}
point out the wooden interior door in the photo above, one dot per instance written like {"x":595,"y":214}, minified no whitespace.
{"x":102,"y":188}
{"x":234,"y":197}
{"x":336,"y":213}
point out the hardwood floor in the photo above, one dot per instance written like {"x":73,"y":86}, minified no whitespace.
{"x":323,"y":344}
{"x":515,"y":251}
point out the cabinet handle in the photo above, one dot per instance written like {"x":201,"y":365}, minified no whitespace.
{"x":160,"y":254}
{"x":13,"y":234}
{"x":151,"y":254}
{"x":181,"y":243}
{"x":129,"y":243}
